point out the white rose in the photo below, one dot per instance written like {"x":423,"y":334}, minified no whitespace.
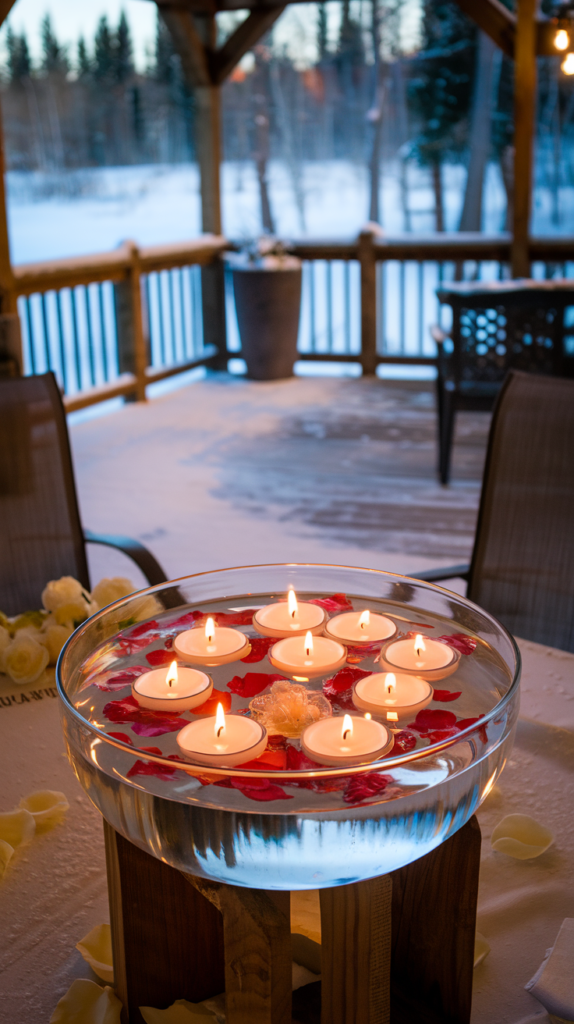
{"x":54,"y":637}
{"x":64,"y":591}
{"x":24,"y":658}
{"x":108,"y":591}
{"x":70,"y":615}
{"x":5,"y":640}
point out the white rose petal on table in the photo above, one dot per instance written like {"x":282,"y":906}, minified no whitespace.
{"x":6,"y":854}
{"x":481,"y":949}
{"x":87,"y":1003}
{"x":47,"y":806}
{"x":17,"y":827}
{"x":522,"y":837}
{"x":553,"y":983}
{"x":180,"y":1012}
{"x":96,"y":949}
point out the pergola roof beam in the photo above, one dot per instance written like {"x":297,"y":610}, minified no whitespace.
{"x":493,"y":18}
{"x":241,"y":41}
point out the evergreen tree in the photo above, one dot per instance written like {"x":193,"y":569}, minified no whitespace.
{"x":166,"y":61}
{"x":54,"y":56}
{"x":19,"y":63}
{"x":84,"y":63}
{"x":440,"y":90}
{"x":104,"y":56}
{"x":322,"y":31}
{"x":351,"y":47}
{"x":123,"y":51}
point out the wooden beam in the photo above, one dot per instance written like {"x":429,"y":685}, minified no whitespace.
{"x":5,"y":8}
{"x":524,"y":128}
{"x":493,"y":18}
{"x":189,"y":45}
{"x":241,"y":41}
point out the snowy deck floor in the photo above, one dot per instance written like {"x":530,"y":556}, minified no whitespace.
{"x":231,"y":472}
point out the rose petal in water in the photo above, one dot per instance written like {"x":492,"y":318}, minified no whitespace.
{"x":252,"y":683}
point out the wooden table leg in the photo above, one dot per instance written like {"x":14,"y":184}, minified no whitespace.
{"x":167,"y":939}
{"x":257,"y":944}
{"x":434,"y":923}
{"x":356,"y":952}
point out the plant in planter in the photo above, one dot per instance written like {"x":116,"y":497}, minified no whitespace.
{"x":267,"y":288}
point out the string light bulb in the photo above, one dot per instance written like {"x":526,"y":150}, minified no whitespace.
{"x":568,"y":64}
{"x":561,"y":39}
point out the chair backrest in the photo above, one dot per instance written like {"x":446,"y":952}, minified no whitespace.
{"x":41,"y":535}
{"x":522,"y":567}
{"x":505,"y":328}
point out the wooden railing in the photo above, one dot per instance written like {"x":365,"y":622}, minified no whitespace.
{"x":113,"y":323}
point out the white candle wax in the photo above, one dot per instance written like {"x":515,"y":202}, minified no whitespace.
{"x":191,"y":688}
{"x":421,"y":656}
{"x":289,"y":618}
{"x":307,"y":656}
{"x":392,"y":696}
{"x":360,"y":627}
{"x":330,"y":742}
{"x":218,"y":646}
{"x":241,"y":739}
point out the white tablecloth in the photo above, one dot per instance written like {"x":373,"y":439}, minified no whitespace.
{"x":56,"y":890}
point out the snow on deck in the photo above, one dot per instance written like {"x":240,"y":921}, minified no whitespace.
{"x":228,"y":472}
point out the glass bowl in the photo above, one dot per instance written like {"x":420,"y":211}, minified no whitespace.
{"x":283,"y":822}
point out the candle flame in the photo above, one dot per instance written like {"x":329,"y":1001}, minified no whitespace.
{"x":347,"y":727}
{"x":365,"y":618}
{"x":171,"y":676}
{"x":567,"y":64}
{"x":292,"y":603}
{"x":419,"y":645}
{"x":219,"y":720}
{"x":390,"y":681}
{"x":368,"y":716}
{"x":561,"y":39}
{"x":309,"y":644}
{"x":209,"y":630}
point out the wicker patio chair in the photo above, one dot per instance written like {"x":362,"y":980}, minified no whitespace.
{"x":41,"y":536}
{"x":496,"y":327}
{"x":522,"y":566}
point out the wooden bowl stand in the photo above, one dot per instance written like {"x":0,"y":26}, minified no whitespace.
{"x":397,"y":949}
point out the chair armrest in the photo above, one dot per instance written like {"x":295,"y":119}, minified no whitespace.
{"x":139,"y":554}
{"x":449,"y":572}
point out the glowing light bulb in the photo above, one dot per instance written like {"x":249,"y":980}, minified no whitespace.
{"x":568,"y":64}
{"x":368,"y":716}
{"x":561,"y":39}
{"x":209,"y":630}
{"x":365,"y":618}
{"x":419,"y":645}
{"x":292,"y":603}
{"x":308,"y":644}
{"x":390,"y":681}
{"x":219,"y":720}
{"x":347,"y":727}
{"x":171,"y":676}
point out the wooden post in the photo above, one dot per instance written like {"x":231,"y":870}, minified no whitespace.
{"x":356,"y":952}
{"x":524,"y":126}
{"x":167,"y":939}
{"x":10,"y":337}
{"x":433,"y":929}
{"x":368,"y":302}
{"x":257,"y":950}
{"x":132,"y":347}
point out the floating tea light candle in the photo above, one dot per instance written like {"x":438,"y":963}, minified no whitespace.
{"x":346,"y":741}
{"x":174,"y":690}
{"x":214,"y":645}
{"x":360,"y":627}
{"x":395,"y":697}
{"x":223,"y":740}
{"x":423,"y":657}
{"x":289,"y":618}
{"x":307,"y":656}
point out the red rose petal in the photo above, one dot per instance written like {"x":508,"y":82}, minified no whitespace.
{"x":439,"y":735}
{"x":339,"y":688}
{"x":259,"y":647}
{"x":460,"y":642}
{"x":404,"y":741}
{"x":160,"y":771}
{"x":117,"y":681}
{"x":260,"y":793}
{"x":144,"y":627}
{"x":133,"y":646}
{"x":336,"y":603}
{"x":123,"y":736}
{"x":252,"y":683}
{"x":274,"y":760}
{"x":209,"y":707}
{"x":146,"y":722}
{"x":432,"y":719}
{"x":446,"y":695}
{"x":362,"y":787}
{"x":357,"y":654}
{"x":159,"y":658}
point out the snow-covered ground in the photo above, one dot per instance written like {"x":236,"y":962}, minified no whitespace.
{"x":92,"y":210}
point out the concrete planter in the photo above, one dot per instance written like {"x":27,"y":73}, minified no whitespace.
{"x":268,"y":302}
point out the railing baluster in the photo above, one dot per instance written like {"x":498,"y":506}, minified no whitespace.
{"x":45,"y":331}
{"x":75,"y":341}
{"x":347,"y":286}
{"x":162,"y":344}
{"x":312,"y":306}
{"x":329,"y":306}
{"x":103,"y":342}
{"x":184,"y":333}
{"x":420,"y":273}
{"x":31,"y":353}
{"x":89,"y":335}
{"x":402,"y":307}
{"x":62,"y":341}
{"x":172,"y":303}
